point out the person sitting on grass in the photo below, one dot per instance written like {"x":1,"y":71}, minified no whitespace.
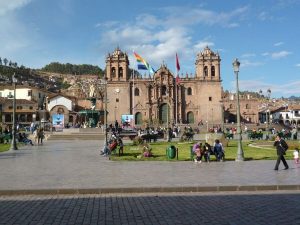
{"x":197,"y":149}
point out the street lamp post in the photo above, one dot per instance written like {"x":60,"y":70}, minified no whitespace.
{"x":13,"y":140}
{"x":268,"y":112}
{"x":105,"y":110}
{"x":240,"y":152}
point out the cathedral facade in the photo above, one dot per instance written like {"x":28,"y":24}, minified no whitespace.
{"x":160,"y":99}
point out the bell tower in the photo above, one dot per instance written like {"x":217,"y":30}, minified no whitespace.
{"x":117,"y":66}
{"x":208,"y":65}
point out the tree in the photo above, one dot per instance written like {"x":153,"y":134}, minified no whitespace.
{"x":0,"y":61}
{"x":5,"y":60}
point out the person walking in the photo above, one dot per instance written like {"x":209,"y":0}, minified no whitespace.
{"x":296,"y":155}
{"x":281,"y":147}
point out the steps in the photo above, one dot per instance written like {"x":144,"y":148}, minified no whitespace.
{"x":57,"y":136}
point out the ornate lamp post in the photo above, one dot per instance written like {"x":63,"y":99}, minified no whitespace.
{"x":240,"y":152}
{"x":105,"y":109}
{"x":13,"y":140}
{"x":268,"y":112}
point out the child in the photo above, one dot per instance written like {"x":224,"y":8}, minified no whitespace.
{"x":296,"y":155}
{"x":197,"y":150}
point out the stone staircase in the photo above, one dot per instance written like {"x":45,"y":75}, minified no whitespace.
{"x":76,"y":134}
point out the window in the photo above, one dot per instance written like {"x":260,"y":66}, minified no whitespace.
{"x":10,"y":107}
{"x":40,"y":95}
{"x":212,"y":71}
{"x":164,"y":90}
{"x":189,"y":91}
{"x":230,"y":106}
{"x":210,"y":99}
{"x":29,"y":93}
{"x":30,"y":107}
{"x":120,"y":72}
{"x":19,"y":107}
{"x":136,"y":92}
{"x":117,"y":100}
{"x":205,"y":71}
{"x":113,"y":72}
{"x":248,"y":106}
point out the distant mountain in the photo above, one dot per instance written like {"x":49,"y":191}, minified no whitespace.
{"x":56,"y":67}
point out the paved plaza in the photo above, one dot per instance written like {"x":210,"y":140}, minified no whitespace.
{"x":76,"y":167}
{"x":240,"y":208}
{"x":68,"y":182}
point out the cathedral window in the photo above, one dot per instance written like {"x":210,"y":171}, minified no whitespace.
{"x":205,"y":71}
{"x":120,"y":72}
{"x":248,"y":106}
{"x":136,"y":92}
{"x":164,"y":90}
{"x":213,"y":71}
{"x":113,"y":72}
{"x":189,"y":91}
{"x":210,"y":99}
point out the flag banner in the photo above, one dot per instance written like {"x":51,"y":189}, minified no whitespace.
{"x":177,"y":63}
{"x":177,"y":79}
{"x":142,"y":64}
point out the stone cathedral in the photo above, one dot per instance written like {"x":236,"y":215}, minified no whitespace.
{"x":152,"y":99}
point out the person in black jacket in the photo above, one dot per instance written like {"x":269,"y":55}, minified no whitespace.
{"x":281,"y":147}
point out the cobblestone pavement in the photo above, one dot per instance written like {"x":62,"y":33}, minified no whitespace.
{"x":77,"y":165}
{"x":142,"y":209}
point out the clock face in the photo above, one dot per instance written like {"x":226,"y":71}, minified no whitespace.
{"x":117,"y":90}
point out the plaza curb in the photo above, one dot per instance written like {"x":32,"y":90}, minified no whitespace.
{"x":129,"y":190}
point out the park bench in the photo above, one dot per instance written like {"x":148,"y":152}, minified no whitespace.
{"x":255,"y":135}
{"x":229,"y":135}
{"x":5,"y":138}
{"x":187,"y":136}
{"x":149,"y":137}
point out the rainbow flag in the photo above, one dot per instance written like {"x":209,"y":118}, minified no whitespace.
{"x":142,"y":64}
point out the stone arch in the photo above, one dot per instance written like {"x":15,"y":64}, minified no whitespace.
{"x":136,"y":92}
{"x":190,"y":117}
{"x":163,"y":113}
{"x":138,"y":118}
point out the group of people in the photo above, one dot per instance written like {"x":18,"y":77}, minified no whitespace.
{"x":207,"y":150}
{"x":114,"y":141}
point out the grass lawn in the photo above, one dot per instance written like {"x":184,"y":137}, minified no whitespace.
{"x":4,"y":147}
{"x":266,"y":152}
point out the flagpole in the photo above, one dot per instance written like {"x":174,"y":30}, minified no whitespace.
{"x":133,"y":97}
{"x":176,"y":102}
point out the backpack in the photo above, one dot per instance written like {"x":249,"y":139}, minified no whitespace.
{"x":218,"y":148}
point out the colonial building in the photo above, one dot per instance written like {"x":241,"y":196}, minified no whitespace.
{"x":152,"y":99}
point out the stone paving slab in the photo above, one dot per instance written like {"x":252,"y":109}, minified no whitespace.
{"x":72,"y":167}
{"x":238,"y":208}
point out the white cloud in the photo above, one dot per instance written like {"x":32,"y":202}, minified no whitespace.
{"x":265,"y":54}
{"x":158,"y":38}
{"x":248,"y":55}
{"x":287,"y":89}
{"x":278,"y":43}
{"x":279,"y":55}
{"x":298,"y":65}
{"x":202,"y":44}
{"x":10,"y":5}
{"x":248,"y":63}
{"x":202,"y":16}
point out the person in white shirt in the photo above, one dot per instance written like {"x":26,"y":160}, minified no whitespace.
{"x":296,"y":155}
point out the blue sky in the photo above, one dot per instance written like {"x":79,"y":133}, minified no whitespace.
{"x":263,"y":35}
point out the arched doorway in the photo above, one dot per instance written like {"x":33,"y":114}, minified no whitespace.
{"x":138,"y":118}
{"x":163,"y":113}
{"x":190,"y":118}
